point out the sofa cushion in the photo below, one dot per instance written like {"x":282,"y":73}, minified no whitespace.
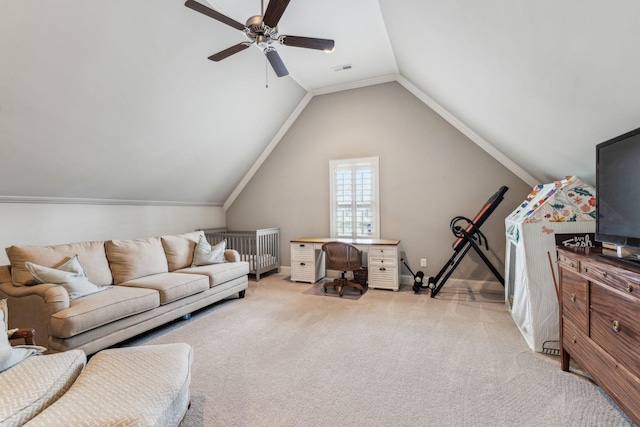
{"x":72,"y":279}
{"x":171,"y":286}
{"x":219,"y":273}
{"x":36,"y":383}
{"x":131,"y":259}
{"x":90,"y":254}
{"x":99,"y":309}
{"x":205,"y":254}
{"x":179,"y":249}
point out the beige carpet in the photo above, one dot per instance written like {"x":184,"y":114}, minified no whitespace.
{"x":285,"y":356}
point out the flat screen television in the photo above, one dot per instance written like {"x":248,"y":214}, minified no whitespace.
{"x":618,"y":191}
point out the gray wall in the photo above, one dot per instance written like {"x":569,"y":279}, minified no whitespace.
{"x":429,"y":173}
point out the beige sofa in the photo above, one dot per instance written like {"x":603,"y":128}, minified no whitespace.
{"x":147,"y":283}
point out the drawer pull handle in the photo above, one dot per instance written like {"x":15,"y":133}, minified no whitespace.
{"x":383,"y":269}
{"x":572,"y":265}
{"x":586,"y":269}
{"x":573,"y":340}
{"x":605,"y":274}
{"x":629,"y":287}
{"x":303,"y":264}
{"x":616,"y":326}
{"x":573,"y":297}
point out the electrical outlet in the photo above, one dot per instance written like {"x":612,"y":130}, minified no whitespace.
{"x":423,"y":262}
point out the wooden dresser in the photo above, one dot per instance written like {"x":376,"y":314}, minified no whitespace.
{"x":600,"y":322}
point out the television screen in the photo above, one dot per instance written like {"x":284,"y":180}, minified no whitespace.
{"x":618,"y":190}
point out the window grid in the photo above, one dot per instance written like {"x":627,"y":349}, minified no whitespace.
{"x":354,"y":199}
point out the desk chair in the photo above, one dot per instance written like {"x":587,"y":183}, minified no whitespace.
{"x":342,"y":257}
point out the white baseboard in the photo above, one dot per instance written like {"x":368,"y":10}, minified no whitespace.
{"x":407,"y":279}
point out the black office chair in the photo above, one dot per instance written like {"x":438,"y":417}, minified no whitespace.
{"x":342,"y":257}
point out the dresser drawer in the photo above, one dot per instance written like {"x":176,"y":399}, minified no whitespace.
{"x":574,"y":339}
{"x":575,"y":303}
{"x":615,"y":326}
{"x":612,"y":276}
{"x":616,"y":380}
{"x":568,"y":261}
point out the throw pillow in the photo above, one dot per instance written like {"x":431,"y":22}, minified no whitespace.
{"x":72,"y":266}
{"x":205,"y":254}
{"x":72,"y":279}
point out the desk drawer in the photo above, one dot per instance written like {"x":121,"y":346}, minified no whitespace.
{"x":383,"y":277}
{"x":302,"y":251}
{"x":382,"y":252}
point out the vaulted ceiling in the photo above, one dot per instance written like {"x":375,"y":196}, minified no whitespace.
{"x":117,"y":100}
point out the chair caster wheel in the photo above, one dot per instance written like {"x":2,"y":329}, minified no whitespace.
{"x":361,"y":292}
{"x":325,"y":290}
{"x":340,"y":293}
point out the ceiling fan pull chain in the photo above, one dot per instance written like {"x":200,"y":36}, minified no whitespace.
{"x":266,"y":73}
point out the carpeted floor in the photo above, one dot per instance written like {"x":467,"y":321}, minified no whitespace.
{"x":288,"y":356}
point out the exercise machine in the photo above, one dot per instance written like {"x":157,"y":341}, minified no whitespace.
{"x":468,"y":236}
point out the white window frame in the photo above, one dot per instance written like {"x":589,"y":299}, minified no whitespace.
{"x":373,"y":163}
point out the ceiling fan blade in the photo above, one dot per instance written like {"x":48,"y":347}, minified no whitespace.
{"x":192,"y":4}
{"x":229,"y":51}
{"x":274,"y":12}
{"x":309,"y":43}
{"x":276,"y":63}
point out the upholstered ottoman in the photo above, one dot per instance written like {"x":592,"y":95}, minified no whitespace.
{"x":133,"y":386}
{"x":35,"y":383}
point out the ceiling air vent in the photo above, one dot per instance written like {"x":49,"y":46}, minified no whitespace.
{"x":343,"y":67}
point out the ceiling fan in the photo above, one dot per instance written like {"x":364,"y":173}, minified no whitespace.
{"x":262,"y":30}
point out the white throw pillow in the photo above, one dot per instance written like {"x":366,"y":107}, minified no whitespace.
{"x":69,"y":275}
{"x":205,"y":254}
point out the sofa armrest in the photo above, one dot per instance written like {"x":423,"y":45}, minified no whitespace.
{"x":231,"y":255}
{"x":5,"y":273}
{"x":55,"y":298}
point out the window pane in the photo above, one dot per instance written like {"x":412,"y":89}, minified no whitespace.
{"x":354,"y":198}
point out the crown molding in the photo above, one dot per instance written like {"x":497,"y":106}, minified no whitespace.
{"x":355,"y":85}
{"x":83,"y":201}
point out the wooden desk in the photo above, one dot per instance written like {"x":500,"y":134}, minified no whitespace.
{"x":307,"y":260}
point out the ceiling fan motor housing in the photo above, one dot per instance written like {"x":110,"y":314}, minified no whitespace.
{"x":260,"y":33}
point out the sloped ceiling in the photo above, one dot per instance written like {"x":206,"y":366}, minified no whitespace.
{"x":117,"y":100}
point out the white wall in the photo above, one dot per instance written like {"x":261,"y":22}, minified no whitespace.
{"x":51,"y":224}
